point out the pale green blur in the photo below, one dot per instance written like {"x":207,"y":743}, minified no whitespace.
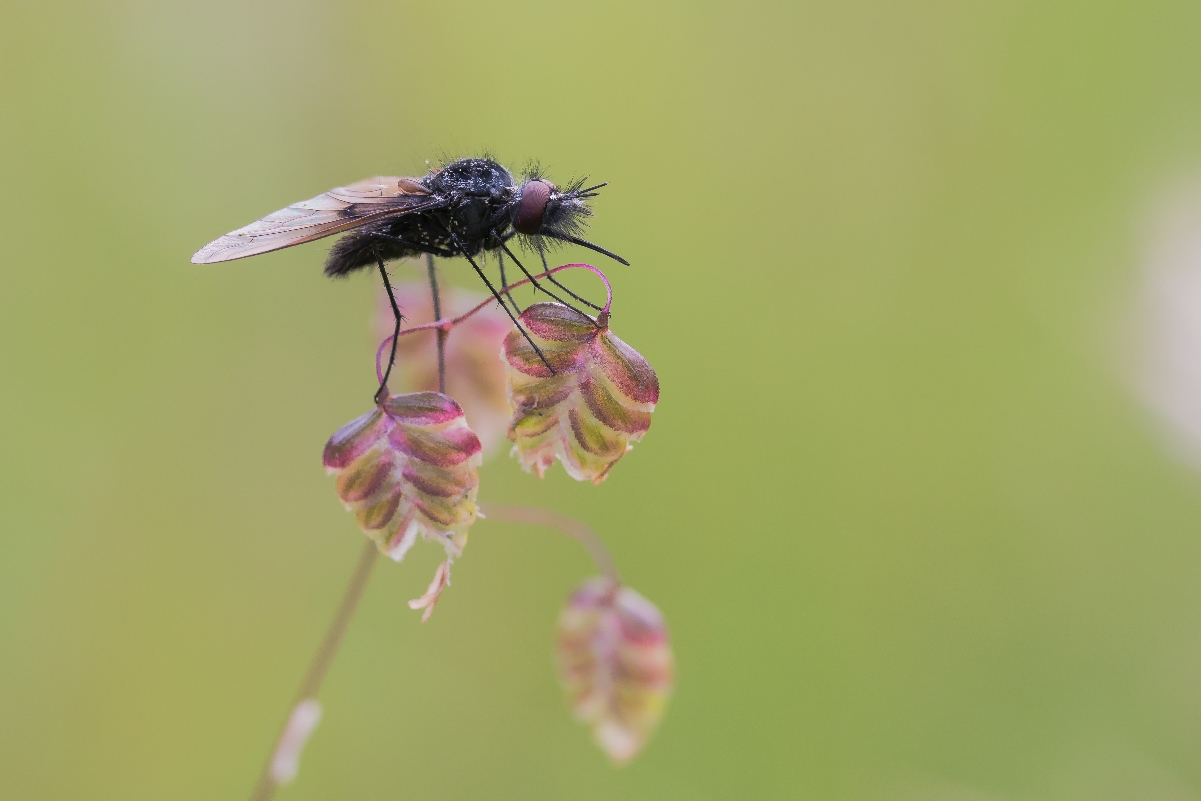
{"x":914,"y":535}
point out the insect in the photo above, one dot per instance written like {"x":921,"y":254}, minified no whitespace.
{"x":467,"y":208}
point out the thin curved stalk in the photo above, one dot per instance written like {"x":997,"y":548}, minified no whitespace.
{"x":442,"y":332}
{"x":578,"y":531}
{"x":314,"y":677}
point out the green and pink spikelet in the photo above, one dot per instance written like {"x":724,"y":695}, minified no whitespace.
{"x":408,"y":468}
{"x":616,"y":665}
{"x":586,"y":413}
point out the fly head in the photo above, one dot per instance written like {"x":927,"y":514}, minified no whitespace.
{"x":543,"y":209}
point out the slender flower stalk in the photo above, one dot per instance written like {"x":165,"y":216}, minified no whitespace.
{"x":287,"y":747}
{"x":442,"y":332}
{"x":579,"y":532}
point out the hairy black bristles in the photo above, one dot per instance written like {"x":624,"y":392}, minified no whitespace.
{"x":573,"y":187}
{"x":532,"y":171}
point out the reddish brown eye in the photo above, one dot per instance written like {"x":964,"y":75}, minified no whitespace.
{"x":533,"y":205}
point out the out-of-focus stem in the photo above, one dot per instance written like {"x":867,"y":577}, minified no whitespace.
{"x":573,"y":528}
{"x":442,"y":332}
{"x":319,"y":667}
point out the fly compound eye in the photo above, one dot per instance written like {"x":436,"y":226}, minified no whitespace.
{"x":534,"y":196}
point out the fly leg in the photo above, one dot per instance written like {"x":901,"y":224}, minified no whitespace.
{"x":395,"y":313}
{"x":555,"y":281}
{"x":538,"y":286}
{"x":463,"y":252}
{"x":551,"y":278}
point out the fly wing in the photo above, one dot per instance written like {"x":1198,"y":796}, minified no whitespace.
{"x":329,"y":213}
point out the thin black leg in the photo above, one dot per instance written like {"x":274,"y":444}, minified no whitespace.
{"x":537,"y":286}
{"x":395,"y":313}
{"x":501,"y":301}
{"x":534,"y":281}
{"x":555,"y":281}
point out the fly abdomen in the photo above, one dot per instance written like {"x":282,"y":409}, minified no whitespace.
{"x":358,"y":249}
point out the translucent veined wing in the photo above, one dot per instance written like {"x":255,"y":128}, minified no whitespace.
{"x":329,"y":213}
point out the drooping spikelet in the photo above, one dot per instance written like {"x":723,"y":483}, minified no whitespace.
{"x":597,"y":401}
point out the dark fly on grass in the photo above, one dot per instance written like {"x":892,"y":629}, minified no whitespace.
{"x":467,"y":208}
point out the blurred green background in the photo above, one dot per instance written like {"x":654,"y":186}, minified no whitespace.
{"x":913,"y":534}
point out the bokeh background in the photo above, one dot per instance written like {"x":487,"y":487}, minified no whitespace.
{"x":913,"y":524}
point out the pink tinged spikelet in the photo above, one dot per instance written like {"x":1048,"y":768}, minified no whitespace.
{"x":474,"y":377}
{"x":586,"y":413}
{"x":434,"y":592}
{"x":615,"y":662}
{"x":407,"y":469}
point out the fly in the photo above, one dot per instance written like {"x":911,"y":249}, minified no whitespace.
{"x":467,"y":208}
